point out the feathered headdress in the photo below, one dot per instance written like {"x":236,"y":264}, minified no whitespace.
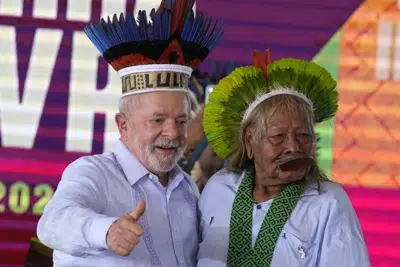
{"x":237,"y":95}
{"x":158,"y":55}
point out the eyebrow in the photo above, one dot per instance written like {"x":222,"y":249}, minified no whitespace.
{"x":157,"y":114}
{"x":183,"y":115}
{"x":303,"y":126}
{"x":281,"y":128}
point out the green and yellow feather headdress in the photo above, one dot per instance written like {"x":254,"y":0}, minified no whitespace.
{"x":238,"y":94}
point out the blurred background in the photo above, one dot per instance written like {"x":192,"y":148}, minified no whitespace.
{"x":58,"y":98}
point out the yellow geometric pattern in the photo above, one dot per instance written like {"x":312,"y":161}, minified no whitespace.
{"x":366,"y":146}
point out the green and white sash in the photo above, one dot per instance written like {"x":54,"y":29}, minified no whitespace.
{"x":240,"y":251}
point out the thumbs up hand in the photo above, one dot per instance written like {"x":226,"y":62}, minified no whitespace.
{"x":125,"y":233}
{"x":138,"y":212}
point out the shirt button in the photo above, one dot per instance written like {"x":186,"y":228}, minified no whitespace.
{"x":259,"y":206}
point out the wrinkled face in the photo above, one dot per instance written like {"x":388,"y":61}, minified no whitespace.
{"x":156,"y":129}
{"x":286,"y":132}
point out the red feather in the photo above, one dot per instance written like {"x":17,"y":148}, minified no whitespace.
{"x":262,"y":61}
{"x":179,"y":15}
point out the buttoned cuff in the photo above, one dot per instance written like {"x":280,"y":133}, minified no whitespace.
{"x":98,"y":231}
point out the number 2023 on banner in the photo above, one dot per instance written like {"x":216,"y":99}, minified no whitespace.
{"x":20,"y":198}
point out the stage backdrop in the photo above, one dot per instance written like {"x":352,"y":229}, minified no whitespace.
{"x":58,"y":98}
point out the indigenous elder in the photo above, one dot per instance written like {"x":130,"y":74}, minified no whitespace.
{"x":274,"y":206}
{"x":136,"y":202}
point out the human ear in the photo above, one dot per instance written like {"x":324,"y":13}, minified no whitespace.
{"x":122,"y":123}
{"x":248,"y":143}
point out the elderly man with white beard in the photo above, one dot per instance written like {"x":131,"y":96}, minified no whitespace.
{"x":135,"y":206}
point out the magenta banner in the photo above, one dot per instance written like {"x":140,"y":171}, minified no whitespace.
{"x":58,"y":97}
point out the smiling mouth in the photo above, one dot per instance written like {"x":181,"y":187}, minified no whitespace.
{"x":294,"y":162}
{"x":166,"y":148}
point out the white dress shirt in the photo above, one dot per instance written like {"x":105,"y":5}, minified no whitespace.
{"x":96,"y":190}
{"x":322,"y":231}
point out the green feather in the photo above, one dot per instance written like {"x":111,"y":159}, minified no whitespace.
{"x":227,"y":103}
{"x":310,"y":79}
{"x":234,"y":94}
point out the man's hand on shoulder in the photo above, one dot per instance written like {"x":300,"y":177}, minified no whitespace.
{"x":125,"y":233}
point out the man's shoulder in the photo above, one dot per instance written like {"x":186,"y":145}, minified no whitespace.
{"x":92,"y":160}
{"x":225,"y":177}
{"x":330,"y":190}
{"x":91,"y":164}
{"x":222,"y":180}
{"x":331,"y":195}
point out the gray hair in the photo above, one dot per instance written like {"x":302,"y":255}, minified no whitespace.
{"x":127,"y":102}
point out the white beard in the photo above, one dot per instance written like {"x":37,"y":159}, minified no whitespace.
{"x":162,"y":163}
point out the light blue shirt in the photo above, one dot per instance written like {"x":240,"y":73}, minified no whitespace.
{"x":96,"y":190}
{"x":322,"y":231}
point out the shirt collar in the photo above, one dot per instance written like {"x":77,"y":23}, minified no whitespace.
{"x":134,"y":169}
{"x":233,"y":180}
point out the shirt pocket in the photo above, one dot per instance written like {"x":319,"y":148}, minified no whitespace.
{"x":297,"y":253}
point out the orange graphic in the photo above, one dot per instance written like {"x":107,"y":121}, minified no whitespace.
{"x":366,"y":148}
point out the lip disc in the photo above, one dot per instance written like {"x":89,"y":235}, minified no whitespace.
{"x":294,"y":161}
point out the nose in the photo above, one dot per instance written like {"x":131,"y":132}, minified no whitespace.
{"x":291,"y":144}
{"x":171,"y":130}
